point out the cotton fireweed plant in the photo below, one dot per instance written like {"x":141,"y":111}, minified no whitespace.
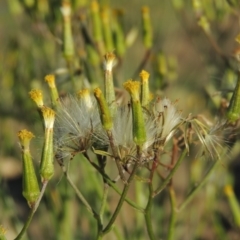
{"x":137,"y":135}
{"x":134,"y":135}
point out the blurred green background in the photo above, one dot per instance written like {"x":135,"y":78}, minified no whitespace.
{"x":187,"y":62}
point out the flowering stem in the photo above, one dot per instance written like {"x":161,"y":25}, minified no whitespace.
{"x":148,"y":209}
{"x":198,"y":187}
{"x":121,"y":200}
{"x":144,"y":61}
{"x":78,"y":193}
{"x":148,"y":217}
{"x":173,"y":213}
{"x":32,"y":212}
{"x":130,"y":202}
{"x":112,"y":184}
{"x":170,"y":175}
{"x":104,"y":201}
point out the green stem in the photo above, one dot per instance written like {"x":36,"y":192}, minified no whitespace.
{"x":101,"y":212}
{"x":148,"y":210}
{"x":113,"y":185}
{"x":32,"y":212}
{"x":78,"y":193}
{"x":104,"y":201}
{"x":198,"y":187}
{"x":65,"y":230}
{"x":121,"y":201}
{"x":173,"y":213}
{"x":140,"y":199}
{"x":142,"y":64}
{"x":130,"y":202}
{"x":170,"y":175}
{"x":84,"y":201}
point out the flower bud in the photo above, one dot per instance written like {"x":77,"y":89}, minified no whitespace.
{"x":104,"y":110}
{"x":36,"y":96}
{"x":85,"y":96}
{"x":30,"y":184}
{"x":50,"y":79}
{"x":145,"y":92}
{"x":47,"y":166}
{"x":109,"y":92}
{"x":139,"y":133}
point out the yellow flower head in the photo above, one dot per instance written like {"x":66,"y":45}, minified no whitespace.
{"x":49,"y":117}
{"x":144,"y":75}
{"x":36,"y":96}
{"x":133,"y":87}
{"x":66,"y":9}
{"x":50,"y":79}
{"x":145,"y":10}
{"x":94,"y":6}
{"x":104,"y":110}
{"x":25,"y":137}
{"x":97,"y":92}
{"x":84,"y":95}
{"x":109,"y":61}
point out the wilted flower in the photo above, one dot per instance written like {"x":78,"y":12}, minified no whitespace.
{"x":167,"y":119}
{"x":210,"y":138}
{"x":122,"y":133}
{"x":77,"y":122}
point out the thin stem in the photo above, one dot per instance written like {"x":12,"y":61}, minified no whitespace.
{"x":121,"y":200}
{"x":148,"y":209}
{"x":198,"y":187}
{"x":140,"y":199}
{"x":173,"y":213}
{"x":101,"y":212}
{"x":113,"y":185}
{"x":32,"y":212}
{"x":84,"y":201}
{"x":130,"y":202}
{"x":170,"y":175}
{"x":142,"y":63}
{"x":104,"y":200}
{"x":148,"y":218}
{"x":65,"y":230}
{"x":78,"y":193}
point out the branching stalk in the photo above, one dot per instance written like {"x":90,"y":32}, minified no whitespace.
{"x":173,"y":213}
{"x":170,"y":175}
{"x":198,"y":187}
{"x":32,"y":212}
{"x":122,"y":199}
